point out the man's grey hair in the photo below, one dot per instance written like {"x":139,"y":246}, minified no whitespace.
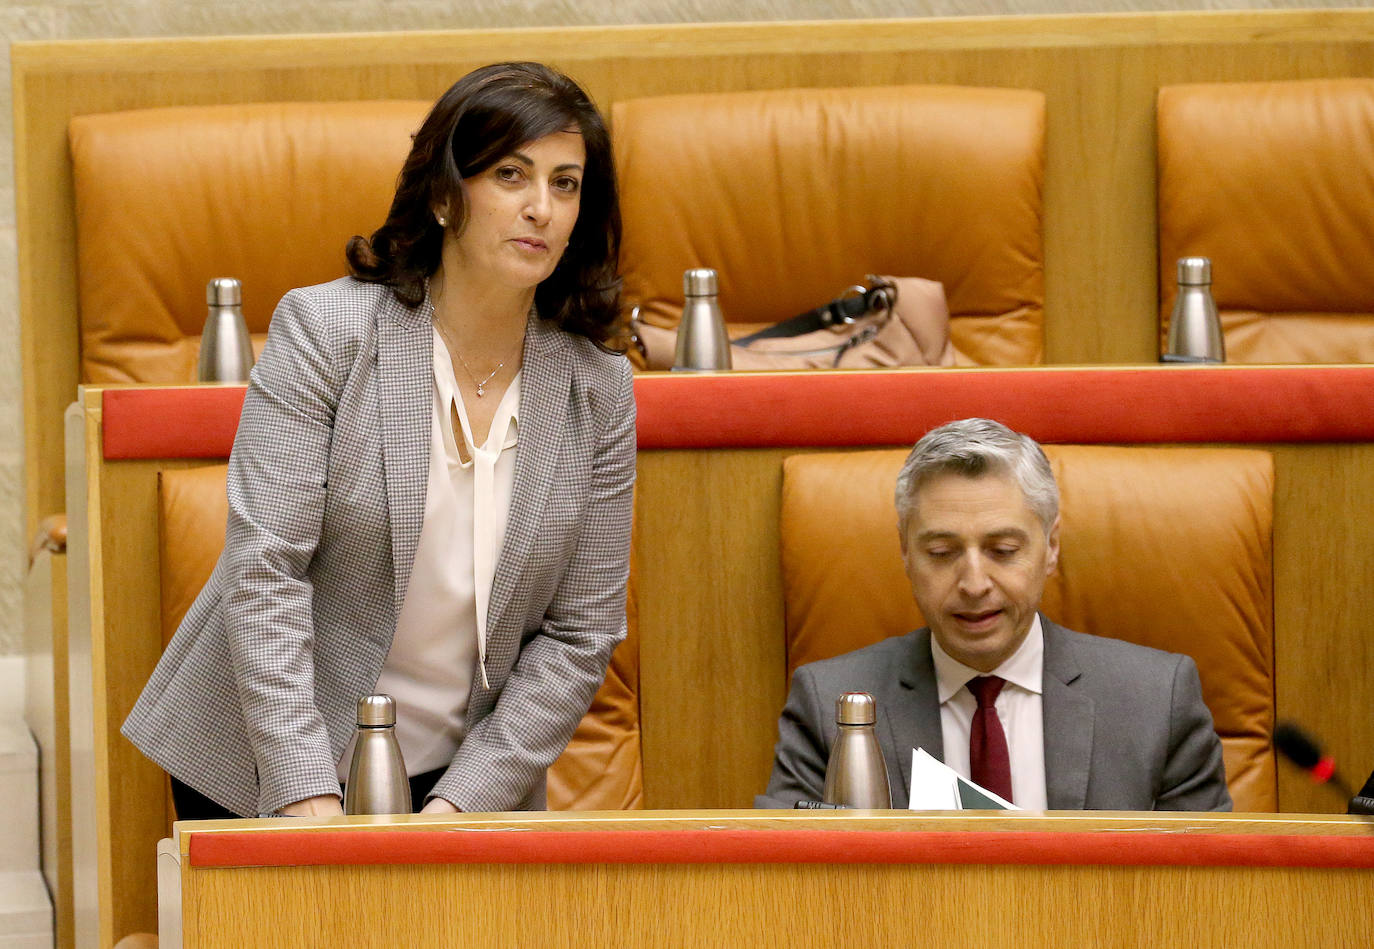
{"x":972,"y":447}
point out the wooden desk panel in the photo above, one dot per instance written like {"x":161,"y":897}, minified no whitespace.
{"x":730,"y":904}
{"x":781,"y":905}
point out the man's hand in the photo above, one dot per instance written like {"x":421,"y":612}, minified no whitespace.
{"x":437,"y":805}
{"x":325,"y":805}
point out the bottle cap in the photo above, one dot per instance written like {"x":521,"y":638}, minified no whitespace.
{"x":1194,"y":271}
{"x":374,"y":710}
{"x":224,"y":291}
{"x":699,"y":282}
{"x":855,"y":708}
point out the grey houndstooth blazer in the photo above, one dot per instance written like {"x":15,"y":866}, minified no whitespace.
{"x":254,"y":698}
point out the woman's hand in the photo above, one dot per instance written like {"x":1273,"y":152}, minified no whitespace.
{"x":437,"y":805}
{"x":325,"y":805}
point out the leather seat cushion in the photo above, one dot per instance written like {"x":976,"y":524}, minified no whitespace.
{"x":794,"y":194}
{"x":1271,"y":180}
{"x":168,"y":199}
{"x":1166,"y":547}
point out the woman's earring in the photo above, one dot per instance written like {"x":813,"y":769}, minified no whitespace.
{"x":443,"y":221}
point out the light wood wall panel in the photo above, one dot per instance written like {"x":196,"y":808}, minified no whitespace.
{"x":712,"y":669}
{"x":1324,"y":610}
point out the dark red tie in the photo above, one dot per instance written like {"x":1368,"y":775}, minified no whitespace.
{"x":989,"y":763}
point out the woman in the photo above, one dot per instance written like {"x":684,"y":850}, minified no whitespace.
{"x":429,"y":492}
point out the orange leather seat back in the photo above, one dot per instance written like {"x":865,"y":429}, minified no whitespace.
{"x":1165,"y":547}
{"x":601,"y":768}
{"x":1272,"y":181}
{"x":794,"y":194}
{"x":168,"y":199}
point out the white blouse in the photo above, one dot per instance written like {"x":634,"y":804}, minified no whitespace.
{"x":440,"y":641}
{"x":1020,"y":707}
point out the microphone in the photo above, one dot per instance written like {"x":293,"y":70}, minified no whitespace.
{"x":1295,"y":744}
{"x":1363,"y":803}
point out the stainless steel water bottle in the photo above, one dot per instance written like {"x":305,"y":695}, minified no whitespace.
{"x":701,"y":339}
{"x":226,"y":349}
{"x":377,"y":782}
{"x":856,"y":775}
{"x":1194,"y":326}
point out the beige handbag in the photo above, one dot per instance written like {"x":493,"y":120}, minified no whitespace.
{"x":893,"y":321}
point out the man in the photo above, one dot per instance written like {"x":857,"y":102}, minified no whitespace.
{"x":1045,"y":717}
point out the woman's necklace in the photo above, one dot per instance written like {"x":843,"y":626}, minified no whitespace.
{"x":456,"y":350}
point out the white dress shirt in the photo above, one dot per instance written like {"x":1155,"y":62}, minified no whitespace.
{"x":1019,"y":706}
{"x":440,"y":640}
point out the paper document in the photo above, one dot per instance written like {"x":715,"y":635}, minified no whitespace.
{"x":935,"y":786}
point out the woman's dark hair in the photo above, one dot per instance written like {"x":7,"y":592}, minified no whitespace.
{"x":483,"y":117}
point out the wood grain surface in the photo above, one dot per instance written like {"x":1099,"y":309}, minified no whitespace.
{"x":784,"y":904}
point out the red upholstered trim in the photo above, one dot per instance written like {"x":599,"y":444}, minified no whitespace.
{"x":1101,"y":405}
{"x":1106,"y":848}
{"x":1112,"y":405}
{"x":174,"y":422}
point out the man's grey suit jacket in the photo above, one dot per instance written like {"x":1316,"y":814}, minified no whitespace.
{"x":1125,"y":726}
{"x":254,"y":698}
